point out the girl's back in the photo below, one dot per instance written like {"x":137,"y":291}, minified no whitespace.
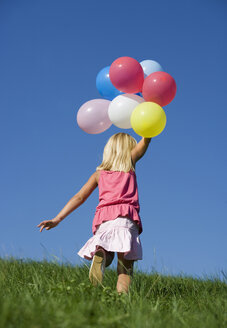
{"x":118,"y":196}
{"x":117,"y":187}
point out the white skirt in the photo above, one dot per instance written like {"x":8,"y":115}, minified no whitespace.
{"x":118,"y":235}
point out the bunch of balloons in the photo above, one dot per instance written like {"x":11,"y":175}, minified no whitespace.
{"x":134,"y":94}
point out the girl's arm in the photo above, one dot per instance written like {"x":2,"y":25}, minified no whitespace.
{"x":72,"y":204}
{"x":140,"y":149}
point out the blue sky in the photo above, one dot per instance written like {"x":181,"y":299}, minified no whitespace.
{"x":51,"y":53}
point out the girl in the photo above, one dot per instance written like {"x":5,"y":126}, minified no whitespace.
{"x":117,"y":225}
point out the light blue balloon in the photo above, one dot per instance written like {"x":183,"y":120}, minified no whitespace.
{"x":150,"y":66}
{"x":105,"y":87}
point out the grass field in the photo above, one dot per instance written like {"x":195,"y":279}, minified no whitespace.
{"x":46,"y":294}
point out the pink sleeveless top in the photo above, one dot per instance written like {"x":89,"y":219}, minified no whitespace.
{"x":118,"y":196}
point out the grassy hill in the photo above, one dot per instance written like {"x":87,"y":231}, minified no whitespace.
{"x":44,"y":294}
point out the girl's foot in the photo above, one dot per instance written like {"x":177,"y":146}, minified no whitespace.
{"x":123,"y":283}
{"x":97,"y":267}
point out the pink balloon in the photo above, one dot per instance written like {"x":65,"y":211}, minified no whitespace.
{"x":92,"y":117}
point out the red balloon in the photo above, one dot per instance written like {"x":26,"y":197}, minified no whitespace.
{"x":127,"y":75}
{"x":159,"y":87}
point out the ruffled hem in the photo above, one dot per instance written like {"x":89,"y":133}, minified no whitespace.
{"x":111,"y":212}
{"x":117,"y":239}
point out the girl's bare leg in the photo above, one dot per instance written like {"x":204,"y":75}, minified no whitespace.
{"x":125,"y":273}
{"x":109,"y":256}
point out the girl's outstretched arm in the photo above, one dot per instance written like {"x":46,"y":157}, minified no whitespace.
{"x":140,"y":149}
{"x":72,"y":204}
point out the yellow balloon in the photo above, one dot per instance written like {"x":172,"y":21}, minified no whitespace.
{"x":148,"y":119}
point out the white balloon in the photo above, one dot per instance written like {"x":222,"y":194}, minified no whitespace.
{"x":150,"y":66}
{"x":121,"y":108}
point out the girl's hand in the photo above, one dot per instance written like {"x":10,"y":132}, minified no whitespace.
{"x":48,"y":224}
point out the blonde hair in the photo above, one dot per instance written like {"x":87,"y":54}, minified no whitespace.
{"x":117,"y":153}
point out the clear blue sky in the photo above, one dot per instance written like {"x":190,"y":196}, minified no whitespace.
{"x":51,"y":52}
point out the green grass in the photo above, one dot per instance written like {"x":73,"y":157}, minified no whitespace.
{"x":44,"y":294}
